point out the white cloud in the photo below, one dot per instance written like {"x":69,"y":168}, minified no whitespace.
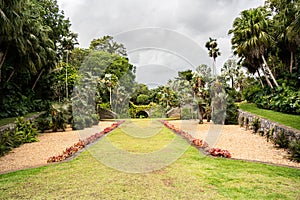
{"x":197,"y":20}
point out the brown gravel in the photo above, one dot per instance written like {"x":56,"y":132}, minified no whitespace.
{"x":49,"y":144}
{"x":240,"y":143}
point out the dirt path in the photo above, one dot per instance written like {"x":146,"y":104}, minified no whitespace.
{"x":50,"y":144}
{"x":240,"y":143}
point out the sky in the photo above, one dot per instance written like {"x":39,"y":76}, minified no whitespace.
{"x":162,"y":37}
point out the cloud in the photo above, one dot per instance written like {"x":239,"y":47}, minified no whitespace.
{"x":194,"y":21}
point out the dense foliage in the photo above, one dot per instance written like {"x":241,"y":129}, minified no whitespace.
{"x":24,"y":132}
{"x":266,"y":40}
{"x":34,"y":36}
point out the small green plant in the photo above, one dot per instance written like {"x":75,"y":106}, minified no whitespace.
{"x":43,"y":123}
{"x":24,"y":132}
{"x":281,"y":140}
{"x":88,"y":121}
{"x":269,"y":134}
{"x":59,"y":116}
{"x":241,"y":121}
{"x":294,"y":148}
{"x":255,"y":124}
{"x":78,"y":123}
{"x":95,"y":119}
{"x":25,"y":129}
{"x":247,"y":123}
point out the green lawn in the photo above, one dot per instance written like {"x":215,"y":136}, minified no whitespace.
{"x":13,"y":119}
{"x":192,"y":176}
{"x":282,"y":118}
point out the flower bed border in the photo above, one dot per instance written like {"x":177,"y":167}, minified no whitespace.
{"x":81,"y":144}
{"x":199,"y":144}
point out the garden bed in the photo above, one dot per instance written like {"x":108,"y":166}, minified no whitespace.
{"x":49,"y":144}
{"x":240,"y":143}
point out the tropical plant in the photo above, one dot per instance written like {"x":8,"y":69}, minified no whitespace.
{"x":213,"y":51}
{"x":251,"y":38}
{"x":294,"y":148}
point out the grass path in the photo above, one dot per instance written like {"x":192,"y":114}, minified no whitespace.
{"x":192,"y":176}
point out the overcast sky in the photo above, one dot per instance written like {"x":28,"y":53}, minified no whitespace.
{"x":161,"y":36}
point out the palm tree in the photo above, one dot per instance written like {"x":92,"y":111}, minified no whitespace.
{"x":230,"y":71}
{"x":250,"y":37}
{"x":213,"y":52}
{"x":11,"y":25}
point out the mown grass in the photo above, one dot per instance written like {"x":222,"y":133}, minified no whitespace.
{"x":282,"y":118}
{"x":192,"y":176}
{"x":9,"y":120}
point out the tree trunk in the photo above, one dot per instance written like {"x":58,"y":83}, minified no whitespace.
{"x":3,"y":57}
{"x":262,"y":84}
{"x":38,"y":78}
{"x":201,"y":113}
{"x":269,"y":70}
{"x":214,"y":67}
{"x":11,"y":75}
{"x":2,"y":62}
{"x":292,"y":62}
{"x":267,"y":78}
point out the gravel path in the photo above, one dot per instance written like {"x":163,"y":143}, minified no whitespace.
{"x":49,"y":144}
{"x":240,"y":143}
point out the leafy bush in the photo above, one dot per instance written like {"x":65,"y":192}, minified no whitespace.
{"x":269,"y":134}
{"x":231,"y":112}
{"x":78,"y":123}
{"x":249,"y":94}
{"x":44,"y":122}
{"x":255,"y":124}
{"x":295,"y":150}
{"x":16,"y":102}
{"x":95,"y":119}
{"x":281,"y":140}
{"x":61,"y":114}
{"x":143,"y":99}
{"x":24,"y":132}
{"x":88,"y":121}
{"x":283,"y":99}
{"x":186,"y":113}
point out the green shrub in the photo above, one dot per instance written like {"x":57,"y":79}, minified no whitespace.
{"x":255,"y":124}
{"x":44,"y":123}
{"x":269,"y":134}
{"x":241,"y":121}
{"x":282,"y":99}
{"x":24,"y":132}
{"x":60,"y":116}
{"x":6,"y":142}
{"x":95,"y":119}
{"x":186,"y":113}
{"x":78,"y":123}
{"x":250,"y":93}
{"x":295,"y":150}
{"x":231,"y":112}
{"x":88,"y":121}
{"x":281,"y":140}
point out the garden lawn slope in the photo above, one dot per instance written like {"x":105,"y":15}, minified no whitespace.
{"x":192,"y":176}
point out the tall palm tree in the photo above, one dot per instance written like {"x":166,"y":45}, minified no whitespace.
{"x":250,"y":37}
{"x":213,"y":51}
{"x":11,"y":25}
